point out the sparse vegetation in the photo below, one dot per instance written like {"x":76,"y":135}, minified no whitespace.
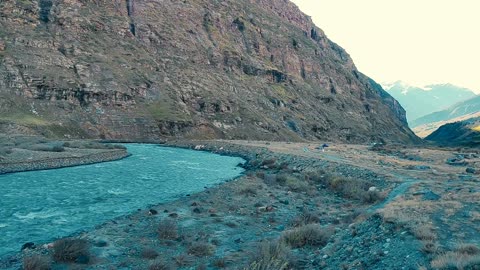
{"x":271,"y":255}
{"x":460,"y":259}
{"x":167,"y":230}
{"x":347,"y":187}
{"x":36,"y":263}
{"x":71,"y":250}
{"x":160,"y":265}
{"x":149,"y":253}
{"x":308,"y":235}
{"x":201,"y":249}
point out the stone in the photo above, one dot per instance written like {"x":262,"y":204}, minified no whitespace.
{"x":471,"y":170}
{"x":28,"y":245}
{"x":431,"y":196}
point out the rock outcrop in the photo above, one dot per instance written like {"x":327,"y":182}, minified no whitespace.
{"x":137,"y":69}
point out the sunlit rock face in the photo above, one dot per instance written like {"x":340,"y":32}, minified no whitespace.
{"x":142,"y":69}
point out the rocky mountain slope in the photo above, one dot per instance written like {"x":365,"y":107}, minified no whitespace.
{"x":426,"y":129}
{"x":140,"y":70}
{"x":466,"y":133}
{"x":419,"y":102}
{"x":458,"y":110}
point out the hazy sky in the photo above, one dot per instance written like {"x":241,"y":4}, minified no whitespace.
{"x":418,"y":41}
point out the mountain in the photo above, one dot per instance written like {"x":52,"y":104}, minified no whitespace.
{"x":138,"y":70}
{"x":426,"y":129}
{"x":419,"y":101}
{"x":465,"y":133}
{"x":458,"y":110}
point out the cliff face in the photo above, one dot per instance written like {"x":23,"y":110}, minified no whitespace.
{"x":137,"y":69}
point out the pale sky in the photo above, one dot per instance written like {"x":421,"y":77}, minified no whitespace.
{"x":417,"y":41}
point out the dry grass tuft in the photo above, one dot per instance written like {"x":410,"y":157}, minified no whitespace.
{"x":71,"y":250}
{"x":249,"y":191}
{"x":468,"y":249}
{"x":36,"y":263}
{"x":465,"y":256}
{"x":430,"y":247}
{"x":349,"y":188}
{"x":149,"y":253}
{"x":271,"y":255}
{"x":160,"y":265}
{"x":268,"y":265}
{"x":184,"y":260}
{"x":201,"y":249}
{"x":308,"y":235}
{"x":456,"y":260}
{"x":167,"y":230}
{"x":305,"y":219}
{"x":424,"y":232}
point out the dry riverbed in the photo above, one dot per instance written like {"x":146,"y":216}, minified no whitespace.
{"x":350,"y":207}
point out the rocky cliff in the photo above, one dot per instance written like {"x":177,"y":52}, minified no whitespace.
{"x":138,"y":69}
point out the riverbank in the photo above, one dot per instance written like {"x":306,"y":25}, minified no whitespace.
{"x":29,"y":153}
{"x":300,"y":208}
{"x":68,"y":161}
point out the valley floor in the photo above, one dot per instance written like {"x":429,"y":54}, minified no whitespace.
{"x":350,"y":207}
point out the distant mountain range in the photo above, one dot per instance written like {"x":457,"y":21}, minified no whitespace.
{"x":457,"y":110}
{"x":422,"y":101}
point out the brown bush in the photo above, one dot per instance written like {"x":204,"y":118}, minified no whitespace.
{"x":468,"y":249}
{"x":306,"y":218}
{"x":201,"y":249}
{"x":149,"y":253}
{"x":271,"y":255}
{"x":71,"y":250}
{"x":167,"y":230}
{"x":307,"y":235}
{"x":249,"y":191}
{"x":36,"y":263}
{"x":160,"y":265}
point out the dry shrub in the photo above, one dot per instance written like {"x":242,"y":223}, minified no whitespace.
{"x":271,"y":255}
{"x":201,"y":249}
{"x":248,"y":191}
{"x":305,"y":218}
{"x":349,"y":188}
{"x":424,"y":232}
{"x":308,"y":235}
{"x":273,"y":264}
{"x":184,"y":260}
{"x":469,"y":249}
{"x":220,"y":263}
{"x":456,"y":260}
{"x":430,"y":247}
{"x":149,"y":253}
{"x":36,"y":263}
{"x":297,"y":185}
{"x":160,"y":265}
{"x":167,"y":230}
{"x":268,"y":162}
{"x":71,"y":250}
{"x":396,"y":216}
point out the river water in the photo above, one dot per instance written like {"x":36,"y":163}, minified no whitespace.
{"x":41,"y":206}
